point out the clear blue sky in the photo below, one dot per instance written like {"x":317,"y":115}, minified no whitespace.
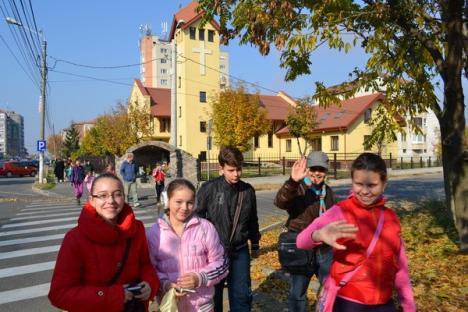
{"x":106,"y":33}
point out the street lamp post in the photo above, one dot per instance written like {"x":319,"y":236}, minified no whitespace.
{"x":42,"y":103}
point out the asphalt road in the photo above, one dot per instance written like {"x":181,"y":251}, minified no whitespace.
{"x":32,"y":227}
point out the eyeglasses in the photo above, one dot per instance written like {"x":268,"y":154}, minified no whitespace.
{"x":104,"y":197}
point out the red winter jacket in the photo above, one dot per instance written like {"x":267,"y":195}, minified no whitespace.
{"x":89,"y":258}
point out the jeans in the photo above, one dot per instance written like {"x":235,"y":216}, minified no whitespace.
{"x":131,"y":188}
{"x":238,"y":283}
{"x":297,"y":299}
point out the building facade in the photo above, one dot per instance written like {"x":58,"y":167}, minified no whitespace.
{"x":11,"y":134}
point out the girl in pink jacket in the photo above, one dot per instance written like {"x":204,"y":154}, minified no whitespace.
{"x":186,"y":251}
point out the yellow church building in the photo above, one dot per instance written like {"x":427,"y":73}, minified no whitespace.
{"x":341,"y":129}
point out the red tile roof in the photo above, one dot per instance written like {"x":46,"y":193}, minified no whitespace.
{"x":341,"y":117}
{"x":160,"y":99}
{"x":277,"y":108}
{"x":189,"y":15}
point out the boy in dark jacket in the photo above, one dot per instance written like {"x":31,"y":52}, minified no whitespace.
{"x":217,"y":200}
{"x":305,"y":196}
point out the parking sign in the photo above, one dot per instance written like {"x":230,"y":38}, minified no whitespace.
{"x":41,"y":145}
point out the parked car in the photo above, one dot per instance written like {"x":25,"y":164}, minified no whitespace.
{"x":16,"y":168}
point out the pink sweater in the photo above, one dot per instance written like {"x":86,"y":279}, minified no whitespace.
{"x":402,"y":280}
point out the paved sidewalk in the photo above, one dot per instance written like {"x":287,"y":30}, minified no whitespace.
{"x":146,"y":190}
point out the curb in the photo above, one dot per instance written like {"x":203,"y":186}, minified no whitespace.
{"x":48,"y":193}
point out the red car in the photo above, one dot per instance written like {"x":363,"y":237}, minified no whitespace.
{"x":16,"y":168}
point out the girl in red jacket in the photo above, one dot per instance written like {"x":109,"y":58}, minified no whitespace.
{"x":92,"y":272}
{"x":349,"y":227}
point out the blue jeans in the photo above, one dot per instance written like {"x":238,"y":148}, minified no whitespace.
{"x":297,"y":299}
{"x":238,"y":283}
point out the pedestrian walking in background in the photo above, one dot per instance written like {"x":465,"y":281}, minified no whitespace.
{"x":369,"y":259}
{"x":129,"y":171}
{"x":305,"y":196}
{"x":110,"y":169}
{"x":159,"y":177}
{"x":88,"y":166}
{"x":88,"y":180}
{"x":103,"y":255}
{"x":77,"y":180}
{"x":231,"y":205}
{"x":186,"y":251}
{"x":69,"y":170}
{"x":59,"y":170}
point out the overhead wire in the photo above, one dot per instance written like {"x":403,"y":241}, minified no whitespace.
{"x":29,"y":64}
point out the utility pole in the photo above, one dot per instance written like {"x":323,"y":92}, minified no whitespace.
{"x":42,"y":107}
{"x":42,"y":102}
{"x":174,"y":94}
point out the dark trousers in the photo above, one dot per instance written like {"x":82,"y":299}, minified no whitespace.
{"x":238,"y":283}
{"x":159,"y":189}
{"x":297,"y":298}
{"x":343,"y":305}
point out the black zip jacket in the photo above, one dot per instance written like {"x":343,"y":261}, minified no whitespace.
{"x":217,"y":201}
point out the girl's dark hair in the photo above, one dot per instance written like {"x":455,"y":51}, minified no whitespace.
{"x":178,"y":184}
{"x":371,"y":162}
{"x":103,"y":176}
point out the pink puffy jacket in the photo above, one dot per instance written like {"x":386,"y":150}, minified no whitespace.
{"x":198,"y":250}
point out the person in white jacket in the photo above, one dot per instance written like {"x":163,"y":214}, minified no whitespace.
{"x":186,"y":251}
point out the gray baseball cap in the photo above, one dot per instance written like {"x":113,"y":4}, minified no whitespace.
{"x":317,"y":159}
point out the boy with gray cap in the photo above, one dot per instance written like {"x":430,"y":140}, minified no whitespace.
{"x":305,"y":196}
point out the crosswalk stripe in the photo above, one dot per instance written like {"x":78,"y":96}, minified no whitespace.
{"x":38,"y":215}
{"x":28,"y":252}
{"x":30,"y":240}
{"x":28,"y":213}
{"x":24,"y":293}
{"x":42,"y":229}
{"x":52,"y":208}
{"x":27,"y":269}
{"x":57,"y":227}
{"x":12,"y":225}
{"x":72,"y":213}
{"x":51,"y":204}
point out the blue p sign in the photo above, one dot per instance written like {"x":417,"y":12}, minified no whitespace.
{"x":41,"y":145}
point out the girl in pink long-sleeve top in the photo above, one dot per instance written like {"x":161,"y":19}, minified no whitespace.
{"x":186,"y":251}
{"x":349,"y":227}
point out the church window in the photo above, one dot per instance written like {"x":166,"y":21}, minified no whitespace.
{"x":180,"y":81}
{"x":288,"y":145}
{"x":163,"y":61}
{"x":201,"y":34}
{"x":202,"y":97}
{"x":210,"y":35}
{"x":180,"y":111}
{"x":203,"y":126}
{"x":163,"y":82}
{"x":192,"y":31}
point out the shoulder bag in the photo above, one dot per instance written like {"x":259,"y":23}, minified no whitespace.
{"x":293,"y":259}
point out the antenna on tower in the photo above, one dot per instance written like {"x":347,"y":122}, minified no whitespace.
{"x":145,"y":30}
{"x":163,"y":29}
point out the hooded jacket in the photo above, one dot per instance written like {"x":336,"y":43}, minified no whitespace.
{"x":198,"y":250}
{"x":90,"y":256}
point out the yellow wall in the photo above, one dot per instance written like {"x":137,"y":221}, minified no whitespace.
{"x":137,"y":98}
{"x":190,"y":112}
